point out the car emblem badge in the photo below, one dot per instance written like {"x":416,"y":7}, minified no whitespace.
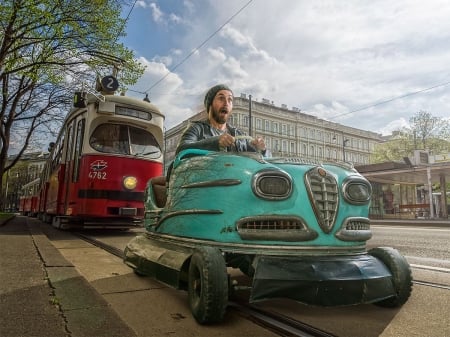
{"x":321,"y":172}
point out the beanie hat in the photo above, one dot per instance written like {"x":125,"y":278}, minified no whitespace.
{"x":209,"y":97}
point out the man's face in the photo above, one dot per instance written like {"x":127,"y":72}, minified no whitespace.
{"x":221,"y":106}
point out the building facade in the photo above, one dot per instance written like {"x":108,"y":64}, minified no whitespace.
{"x":22,"y":179}
{"x":290,"y":133}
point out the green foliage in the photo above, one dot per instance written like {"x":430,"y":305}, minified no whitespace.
{"x":425,"y":132}
{"x":5,"y":217}
{"x":48,"y":49}
{"x":48,"y":40}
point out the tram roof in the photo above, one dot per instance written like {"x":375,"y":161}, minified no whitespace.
{"x":402,"y":173}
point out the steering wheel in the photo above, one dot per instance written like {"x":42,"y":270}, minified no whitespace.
{"x":250,"y":138}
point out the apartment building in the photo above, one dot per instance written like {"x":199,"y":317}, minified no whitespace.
{"x":290,"y":132}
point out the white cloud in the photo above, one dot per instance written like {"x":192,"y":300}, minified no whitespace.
{"x":346,"y":60}
{"x":394,"y":125}
{"x":157,"y":14}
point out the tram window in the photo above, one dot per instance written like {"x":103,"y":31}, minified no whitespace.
{"x":78,"y":147}
{"x":124,"y":139}
{"x":143,"y":143}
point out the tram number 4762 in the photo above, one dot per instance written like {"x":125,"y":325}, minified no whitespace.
{"x":97,"y":175}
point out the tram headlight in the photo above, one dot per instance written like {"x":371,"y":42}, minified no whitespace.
{"x":129,"y":182}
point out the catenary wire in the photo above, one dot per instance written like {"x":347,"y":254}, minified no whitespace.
{"x":196,"y":49}
{"x":390,"y":100}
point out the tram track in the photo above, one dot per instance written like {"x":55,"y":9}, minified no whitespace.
{"x":431,"y":284}
{"x":279,"y":324}
{"x":431,"y":269}
{"x":110,"y":249}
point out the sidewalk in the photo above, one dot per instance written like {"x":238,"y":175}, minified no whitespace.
{"x":43,"y":295}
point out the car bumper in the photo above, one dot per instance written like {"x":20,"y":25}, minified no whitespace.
{"x":325,"y":281}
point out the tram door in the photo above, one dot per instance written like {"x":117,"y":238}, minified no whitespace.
{"x":71,"y":175}
{"x":67,"y":170}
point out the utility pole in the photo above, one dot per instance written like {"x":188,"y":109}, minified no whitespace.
{"x":249,"y":115}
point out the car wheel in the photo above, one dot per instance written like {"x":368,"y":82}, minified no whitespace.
{"x":401,"y":275}
{"x":208,"y":285}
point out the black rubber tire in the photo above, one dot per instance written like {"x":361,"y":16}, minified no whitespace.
{"x":401,"y":275}
{"x":208,"y":285}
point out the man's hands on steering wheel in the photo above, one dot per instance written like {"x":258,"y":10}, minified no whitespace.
{"x":227,"y":140}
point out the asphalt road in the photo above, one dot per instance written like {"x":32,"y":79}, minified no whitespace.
{"x":428,"y":246}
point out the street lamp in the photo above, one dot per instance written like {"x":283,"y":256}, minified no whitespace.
{"x":344,"y":142}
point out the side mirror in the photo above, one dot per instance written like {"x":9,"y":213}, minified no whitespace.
{"x":79,"y":99}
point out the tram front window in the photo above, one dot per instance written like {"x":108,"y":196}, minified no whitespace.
{"x":124,"y":139}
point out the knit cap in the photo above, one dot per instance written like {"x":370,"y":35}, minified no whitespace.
{"x":209,"y":97}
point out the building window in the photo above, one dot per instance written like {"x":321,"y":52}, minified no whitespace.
{"x":276,"y":145}
{"x":275,"y":127}
{"x":292,"y":131}
{"x":320,"y":152}
{"x":258,"y":124}
{"x":304,"y":150}
{"x":305,"y":132}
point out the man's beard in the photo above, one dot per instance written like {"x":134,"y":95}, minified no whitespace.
{"x":218,"y":117}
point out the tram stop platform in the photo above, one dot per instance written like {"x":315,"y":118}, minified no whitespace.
{"x":42,"y":294}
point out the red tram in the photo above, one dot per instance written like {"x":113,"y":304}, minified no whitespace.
{"x":97,"y":171}
{"x":29,"y":201}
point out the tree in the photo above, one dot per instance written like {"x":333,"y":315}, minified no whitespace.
{"x":47,"y":49}
{"x":425,"y":132}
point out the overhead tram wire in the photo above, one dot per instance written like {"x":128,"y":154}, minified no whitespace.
{"x":200,"y":46}
{"x":108,"y":57}
{"x":391,"y":99}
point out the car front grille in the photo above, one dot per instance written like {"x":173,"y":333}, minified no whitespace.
{"x":355,"y":229}
{"x":274,"y":228}
{"x":324,"y":196}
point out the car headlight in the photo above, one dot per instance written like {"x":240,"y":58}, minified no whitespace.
{"x":129,"y":182}
{"x":272,"y":184}
{"x":357,"y":190}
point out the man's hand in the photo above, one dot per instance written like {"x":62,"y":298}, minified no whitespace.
{"x":259,"y":143}
{"x":226,"y":140}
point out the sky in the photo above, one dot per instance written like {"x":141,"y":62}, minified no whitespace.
{"x":371,"y":65}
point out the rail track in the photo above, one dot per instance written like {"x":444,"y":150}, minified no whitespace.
{"x":432,"y":269}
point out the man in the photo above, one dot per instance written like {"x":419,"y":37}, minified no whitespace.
{"x":214,"y":133}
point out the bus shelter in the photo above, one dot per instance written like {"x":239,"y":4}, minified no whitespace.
{"x":409,"y":189}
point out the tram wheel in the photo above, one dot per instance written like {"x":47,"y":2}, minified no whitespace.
{"x":208,"y":285}
{"x":401,"y":275}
